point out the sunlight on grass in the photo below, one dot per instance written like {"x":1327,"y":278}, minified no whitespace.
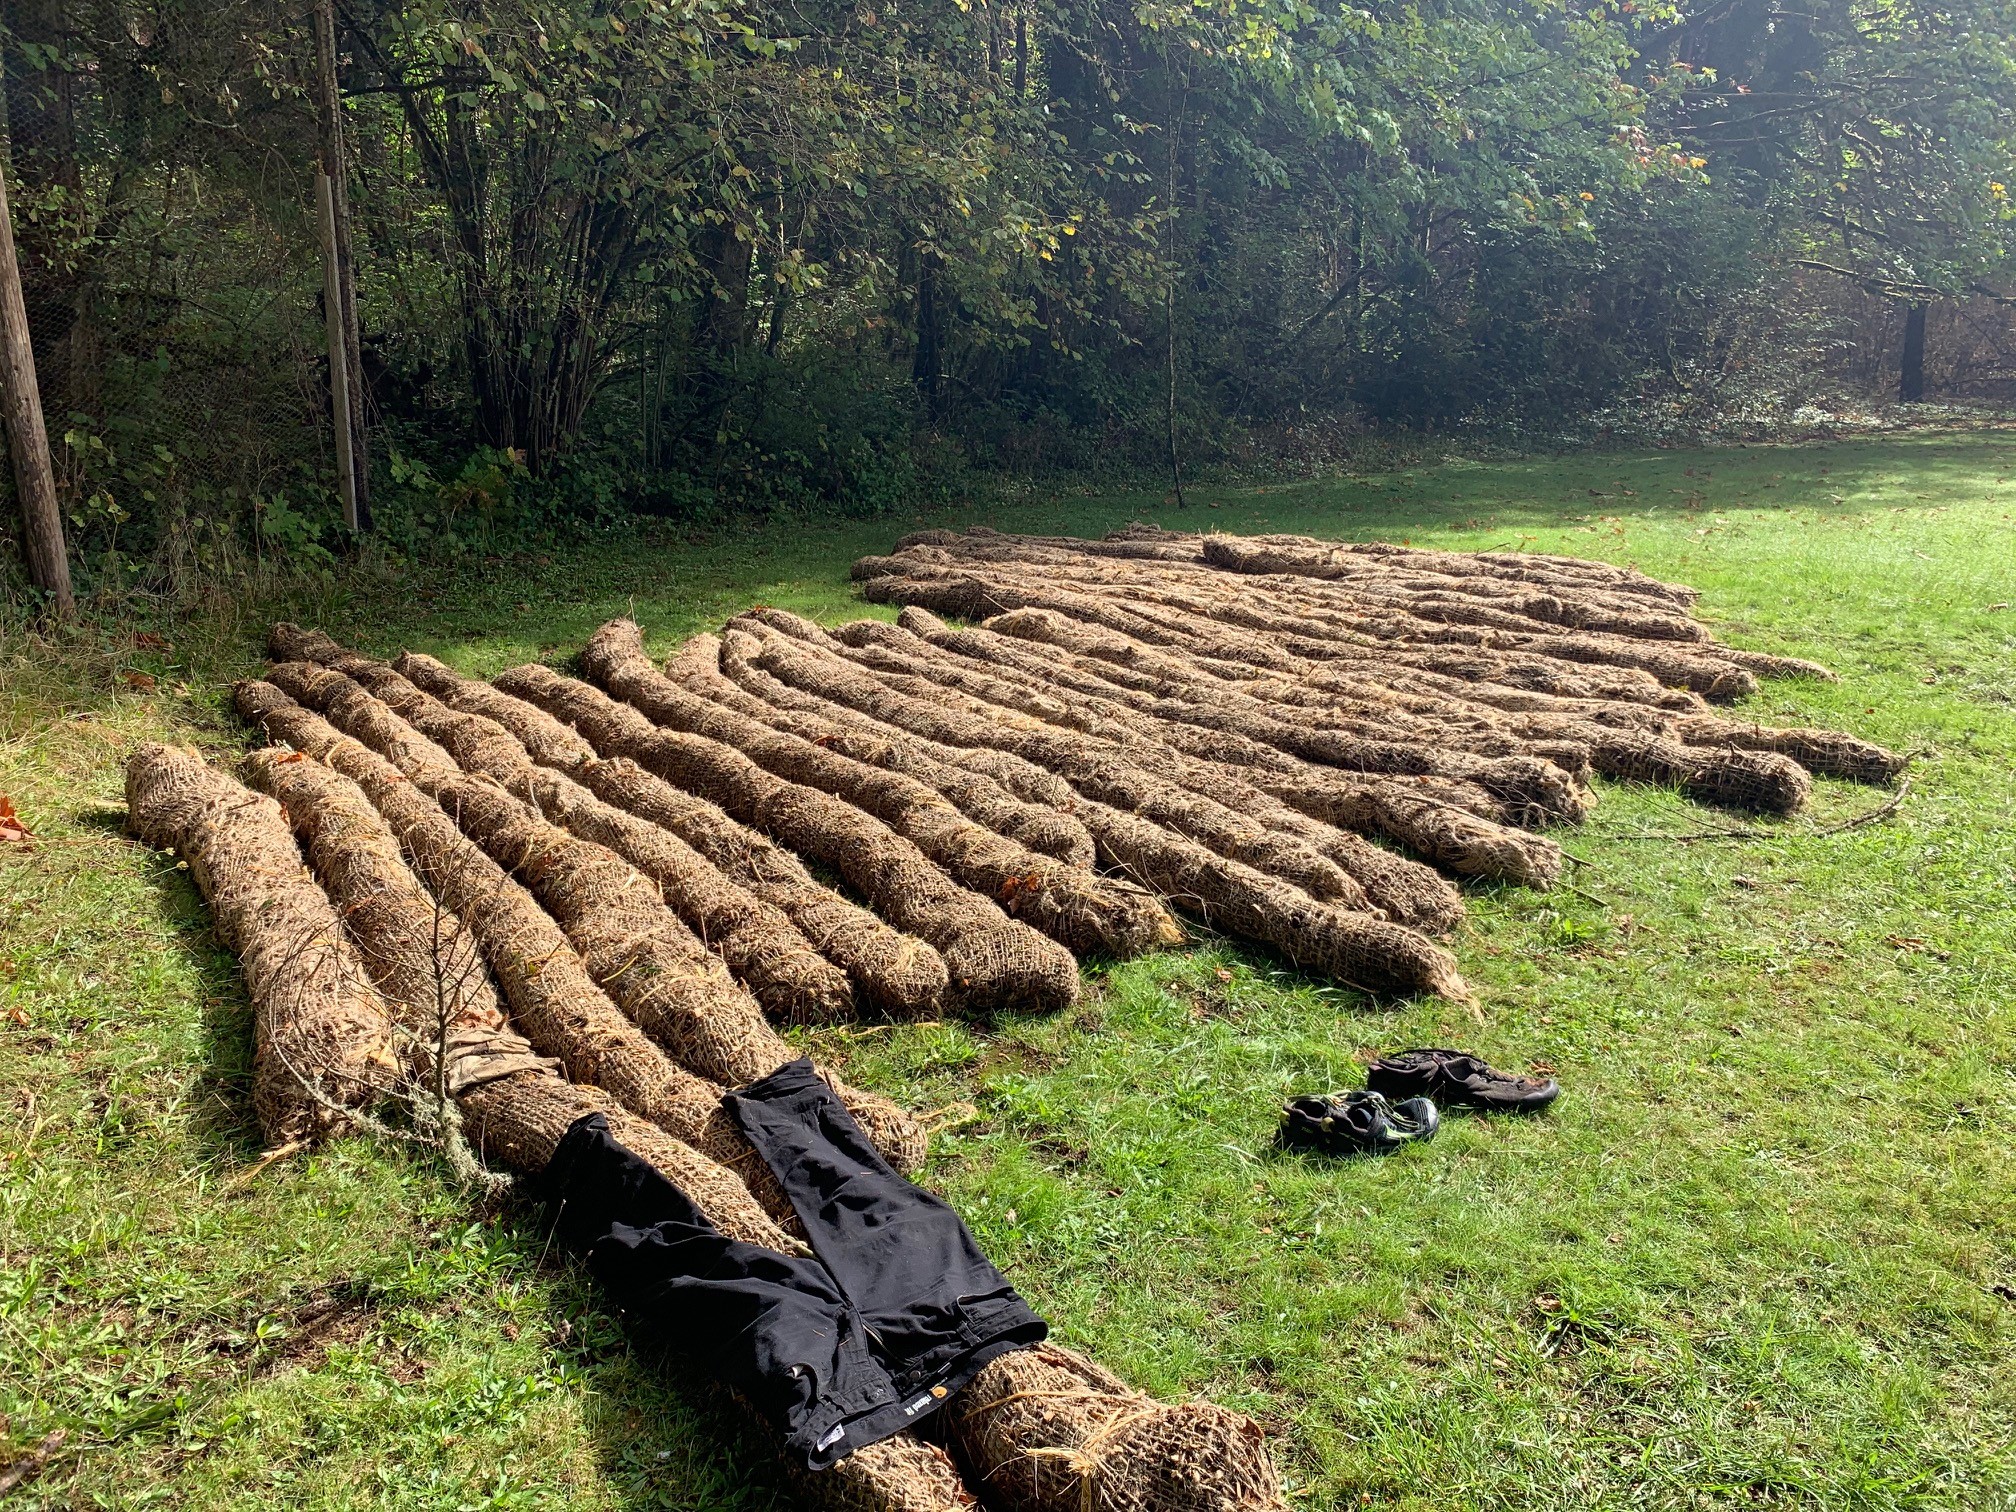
{"x":1760,"y":1254}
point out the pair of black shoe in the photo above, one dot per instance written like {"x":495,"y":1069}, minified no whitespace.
{"x":1401,"y":1102}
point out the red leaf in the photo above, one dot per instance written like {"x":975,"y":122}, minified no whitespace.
{"x":12,"y":830}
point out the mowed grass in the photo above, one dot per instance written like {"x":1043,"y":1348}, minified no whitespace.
{"x":1762,"y":1254}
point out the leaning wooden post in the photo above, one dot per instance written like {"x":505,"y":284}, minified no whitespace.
{"x":339,"y":365}
{"x":340,"y":275}
{"x":27,"y":441}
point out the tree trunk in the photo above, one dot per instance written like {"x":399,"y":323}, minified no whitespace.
{"x":27,"y":441}
{"x":928,"y":361}
{"x":341,"y":425}
{"x":1169,"y":291}
{"x":725,"y":317}
{"x":462,"y":180}
{"x":779,"y":308}
{"x":1911,"y":380}
{"x":355,"y":452}
{"x":42,"y":142}
{"x":456,"y":166}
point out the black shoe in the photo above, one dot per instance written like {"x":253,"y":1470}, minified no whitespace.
{"x":1456,"y":1079}
{"x":1357,"y":1123}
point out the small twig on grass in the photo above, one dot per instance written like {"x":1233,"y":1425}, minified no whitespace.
{"x":43,"y":842}
{"x":951,"y":1116}
{"x":35,"y":1131}
{"x":33,"y":1463}
{"x":1583,"y":892}
{"x":251,"y":1173}
{"x":1855,"y":821}
{"x":1881,"y":811}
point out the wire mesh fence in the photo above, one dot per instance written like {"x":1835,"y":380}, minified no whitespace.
{"x":161,"y":176}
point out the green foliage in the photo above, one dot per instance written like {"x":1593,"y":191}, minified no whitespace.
{"x":461,"y":510}
{"x":1429,"y":212}
{"x":684,"y":255}
{"x":1882,"y":131}
{"x":278,"y":525}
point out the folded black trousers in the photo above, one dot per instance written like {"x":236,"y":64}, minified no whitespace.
{"x":896,"y":1311}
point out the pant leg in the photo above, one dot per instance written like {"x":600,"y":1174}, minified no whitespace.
{"x":935,"y":1307}
{"x":775,"y":1327}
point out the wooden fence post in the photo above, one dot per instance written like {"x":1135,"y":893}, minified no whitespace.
{"x":339,"y":365}
{"x":27,"y":441}
{"x":341,"y":276}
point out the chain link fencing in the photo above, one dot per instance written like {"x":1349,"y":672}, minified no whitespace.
{"x":160,"y":169}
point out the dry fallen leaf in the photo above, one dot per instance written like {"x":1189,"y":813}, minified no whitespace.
{"x":12,"y":830}
{"x":140,"y":682}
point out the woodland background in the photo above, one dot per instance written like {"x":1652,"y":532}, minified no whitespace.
{"x":711,"y":258}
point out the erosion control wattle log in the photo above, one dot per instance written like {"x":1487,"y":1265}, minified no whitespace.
{"x":553,"y":1000}
{"x":323,"y":1043}
{"x":1354,"y":946}
{"x":1285,"y":740}
{"x":1241,"y":731}
{"x":1543,"y":635}
{"x":425,"y":1007}
{"x":756,"y":939}
{"x":1046,"y":1430}
{"x":991,"y":962}
{"x":638,"y":950}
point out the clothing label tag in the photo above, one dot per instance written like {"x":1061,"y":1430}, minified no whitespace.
{"x":919,"y":1405}
{"x":838,"y":1433}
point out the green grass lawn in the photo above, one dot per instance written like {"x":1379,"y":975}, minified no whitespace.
{"x":1762,"y":1253}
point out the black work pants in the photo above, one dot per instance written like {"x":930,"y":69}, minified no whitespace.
{"x":896,"y":1310}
